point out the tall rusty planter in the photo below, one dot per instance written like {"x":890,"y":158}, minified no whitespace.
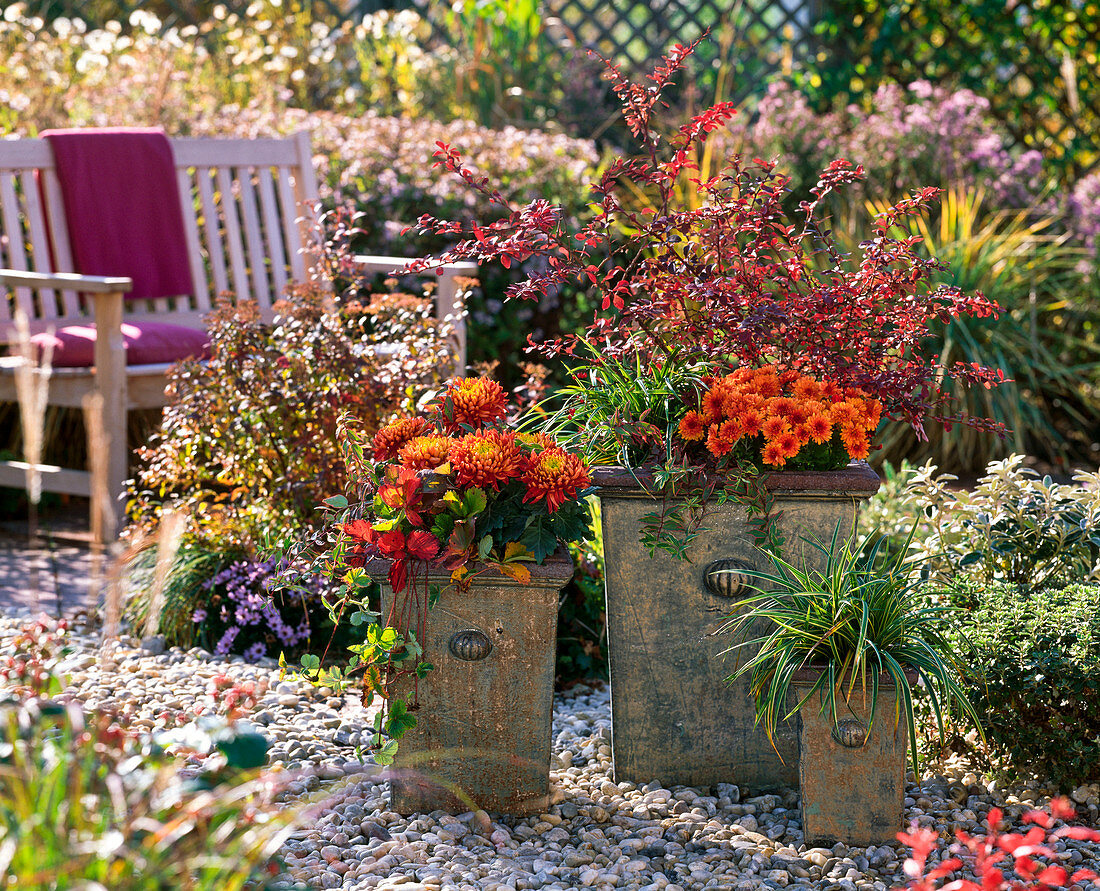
{"x":674,"y":717}
{"x":482,"y":734}
{"x":851,"y":773}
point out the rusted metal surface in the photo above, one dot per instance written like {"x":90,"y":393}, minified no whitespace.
{"x":482,"y":735}
{"x":674,"y":716}
{"x":852,"y":778}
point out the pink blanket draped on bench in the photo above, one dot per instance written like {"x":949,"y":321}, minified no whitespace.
{"x":122,"y":206}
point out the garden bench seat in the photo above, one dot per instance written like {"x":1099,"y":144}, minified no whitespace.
{"x":249,"y":217}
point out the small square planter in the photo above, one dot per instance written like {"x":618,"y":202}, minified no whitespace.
{"x":852,"y":782}
{"x":482,"y":735}
{"x":674,"y":716}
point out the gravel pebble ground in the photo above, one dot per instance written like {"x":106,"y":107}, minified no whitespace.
{"x":595,"y":834}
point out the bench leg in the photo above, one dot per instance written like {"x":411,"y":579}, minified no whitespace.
{"x":109,"y":458}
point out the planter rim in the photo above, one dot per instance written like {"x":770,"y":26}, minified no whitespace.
{"x":856,"y":480}
{"x":807,"y":677}
{"x":558,"y":568}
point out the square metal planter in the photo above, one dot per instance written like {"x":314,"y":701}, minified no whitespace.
{"x":674,"y":717}
{"x":482,"y":735}
{"x":852,"y":781}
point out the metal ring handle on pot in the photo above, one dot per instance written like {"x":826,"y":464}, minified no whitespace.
{"x":727,"y":577}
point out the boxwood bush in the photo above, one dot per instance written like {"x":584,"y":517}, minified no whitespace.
{"x":1034,"y":676}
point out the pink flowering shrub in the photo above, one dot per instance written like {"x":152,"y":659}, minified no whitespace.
{"x":919,"y":133}
{"x":999,"y":860}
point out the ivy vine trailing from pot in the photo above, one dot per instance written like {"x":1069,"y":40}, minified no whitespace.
{"x":727,"y":334}
{"x":450,"y":493}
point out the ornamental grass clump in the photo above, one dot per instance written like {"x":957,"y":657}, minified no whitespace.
{"x":694,"y":290}
{"x":449,"y":493}
{"x":860,"y":621}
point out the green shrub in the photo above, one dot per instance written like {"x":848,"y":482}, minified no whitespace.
{"x":1039,"y":683}
{"x":1013,"y":526}
{"x":246,"y":447}
{"x":582,"y":618}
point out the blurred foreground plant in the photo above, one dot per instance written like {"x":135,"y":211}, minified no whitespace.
{"x":85,"y":803}
{"x":999,"y":860}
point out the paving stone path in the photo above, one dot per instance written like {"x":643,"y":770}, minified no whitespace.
{"x":64,"y":570}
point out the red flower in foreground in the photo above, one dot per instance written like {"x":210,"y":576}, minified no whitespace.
{"x":389,"y":440}
{"x":556,"y":476}
{"x":487,"y":459}
{"x":477,"y":401}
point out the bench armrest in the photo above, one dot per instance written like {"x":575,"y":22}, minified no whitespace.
{"x":380,"y":263}
{"x":66,"y":281}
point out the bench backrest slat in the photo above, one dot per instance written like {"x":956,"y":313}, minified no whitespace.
{"x":247,"y":211}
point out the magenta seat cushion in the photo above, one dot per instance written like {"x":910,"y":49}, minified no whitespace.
{"x":147,"y":343}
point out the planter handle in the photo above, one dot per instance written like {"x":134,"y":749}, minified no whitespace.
{"x":727,"y":578}
{"x":470,"y":645}
{"x":850,"y":733}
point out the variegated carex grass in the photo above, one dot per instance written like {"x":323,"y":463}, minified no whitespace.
{"x":861,"y":620}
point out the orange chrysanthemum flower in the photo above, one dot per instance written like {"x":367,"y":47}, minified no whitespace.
{"x":487,"y":459}
{"x":844,"y":413}
{"x":693,"y":427}
{"x":536,"y":441}
{"x":751,"y":422}
{"x":718,"y":445}
{"x":855,"y":442}
{"x":873,"y":413}
{"x":767,"y":385}
{"x":774,"y":427}
{"x":477,"y":401}
{"x":731,"y":430}
{"x":425,"y":452}
{"x":819,"y":427}
{"x":388,"y":441}
{"x":786,"y":407}
{"x":773,"y":455}
{"x":788,"y":445}
{"x":714,"y":402}
{"x":830,"y":391}
{"x":734,"y":404}
{"x":555,"y":476}
{"x":806,"y":388}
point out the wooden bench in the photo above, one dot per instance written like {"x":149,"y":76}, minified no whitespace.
{"x":249,"y":210}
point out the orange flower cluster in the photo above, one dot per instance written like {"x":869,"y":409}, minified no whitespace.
{"x":389,"y":440}
{"x":425,"y":452}
{"x":476,"y":402}
{"x":780,"y":413}
{"x":487,"y":459}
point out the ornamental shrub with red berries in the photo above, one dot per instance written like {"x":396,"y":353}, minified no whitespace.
{"x":710,"y":276}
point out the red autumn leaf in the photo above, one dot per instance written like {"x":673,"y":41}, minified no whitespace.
{"x":422,"y":545}
{"x":391,"y":543}
{"x":399,"y":575}
{"x":360,"y":530}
